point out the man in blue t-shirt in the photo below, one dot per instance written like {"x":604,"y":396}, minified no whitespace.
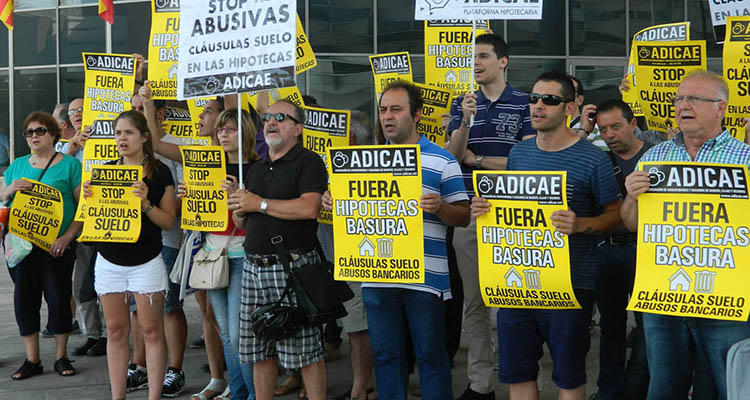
{"x":500,"y":120}
{"x":593,"y":207}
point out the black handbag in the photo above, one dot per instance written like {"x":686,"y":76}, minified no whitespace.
{"x":320,"y":297}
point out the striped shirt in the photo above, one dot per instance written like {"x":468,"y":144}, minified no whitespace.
{"x":590,"y":185}
{"x":441,"y":175}
{"x":722,"y":149}
{"x":498,"y":126}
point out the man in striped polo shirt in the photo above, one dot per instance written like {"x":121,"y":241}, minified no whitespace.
{"x":672,"y":342}
{"x":593,"y":208}
{"x":389,"y":306}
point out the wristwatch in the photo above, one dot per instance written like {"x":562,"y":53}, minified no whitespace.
{"x":146,"y":209}
{"x":264,"y":206}
{"x":478,"y":161}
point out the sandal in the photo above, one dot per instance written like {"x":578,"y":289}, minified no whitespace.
{"x":302,"y":393}
{"x":28,"y":369}
{"x":213,"y":390}
{"x":292,"y":382}
{"x":224,"y":396}
{"x":64,"y":367}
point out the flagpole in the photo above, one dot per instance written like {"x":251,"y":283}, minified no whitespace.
{"x":239,"y":138}
{"x":473,"y":51}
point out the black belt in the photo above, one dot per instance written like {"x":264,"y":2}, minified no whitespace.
{"x":268,"y":260}
{"x":621,"y":238}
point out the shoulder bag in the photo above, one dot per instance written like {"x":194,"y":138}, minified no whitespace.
{"x":211,"y":268}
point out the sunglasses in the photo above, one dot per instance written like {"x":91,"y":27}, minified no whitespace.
{"x":40,"y":131}
{"x":280,"y":117}
{"x":230,"y":131}
{"x":73,"y":111}
{"x":547,"y":99}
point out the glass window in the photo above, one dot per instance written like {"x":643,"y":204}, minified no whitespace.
{"x":645,"y":13}
{"x":341,"y":26}
{"x":34,"y":90}
{"x":71,"y":83}
{"x":597,"y":28}
{"x":34,"y":38}
{"x":397,"y":29}
{"x":545,"y":37}
{"x":343,"y":83}
{"x":28,"y":4}
{"x":77,"y":2}
{"x":3,"y":47}
{"x":701,"y":27}
{"x":81,"y":30}
{"x":131,"y":29}
{"x":599,"y":82}
{"x":4,"y":108}
{"x":522,"y":72}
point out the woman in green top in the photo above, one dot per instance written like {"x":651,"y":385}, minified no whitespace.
{"x":41,"y":271}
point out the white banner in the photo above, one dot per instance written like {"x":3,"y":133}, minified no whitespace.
{"x":477,"y":10}
{"x":228,"y":47}
{"x":720,"y":10}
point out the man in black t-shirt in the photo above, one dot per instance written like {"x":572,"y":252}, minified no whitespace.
{"x":618,"y":127}
{"x":282,"y":198}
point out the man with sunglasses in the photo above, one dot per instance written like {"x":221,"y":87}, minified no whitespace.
{"x":672,"y":342}
{"x":593,"y":208}
{"x":282,"y":198}
{"x":500,"y":117}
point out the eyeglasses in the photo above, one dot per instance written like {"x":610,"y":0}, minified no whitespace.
{"x":230,"y":131}
{"x":693,"y":100}
{"x":547,"y":99}
{"x":73,"y":111}
{"x":280,"y":117}
{"x":40,"y":131}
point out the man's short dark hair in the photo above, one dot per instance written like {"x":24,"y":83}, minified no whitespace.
{"x":63,"y":113}
{"x":220,"y":101}
{"x":617,"y":104}
{"x":299,"y":112}
{"x":568,"y":91}
{"x":577,"y":85}
{"x":310,"y":101}
{"x":496,"y":41}
{"x":415,"y":95}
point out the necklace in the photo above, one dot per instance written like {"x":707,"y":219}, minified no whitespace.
{"x":33,"y":161}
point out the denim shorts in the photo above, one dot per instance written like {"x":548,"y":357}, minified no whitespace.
{"x":522,"y":332}
{"x":150,"y":277}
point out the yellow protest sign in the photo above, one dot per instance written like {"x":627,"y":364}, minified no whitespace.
{"x":737,"y":74}
{"x":676,"y":31}
{"x":693,"y":241}
{"x":325,"y":128}
{"x":448,"y":48}
{"x":660,"y":67}
{"x":290,"y":93}
{"x":524,"y":262}
{"x":113,"y":212}
{"x":389,"y":67}
{"x":99,"y":149}
{"x":377,"y":221}
{"x":305,"y":56}
{"x":109,"y":81}
{"x":436,"y":103}
{"x":163,"y":47}
{"x":178,"y":123}
{"x":37,"y":214}
{"x":204,"y":207}
{"x":195,"y":108}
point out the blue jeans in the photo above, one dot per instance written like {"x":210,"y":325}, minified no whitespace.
{"x":671,"y":345}
{"x":387,"y":311}
{"x":226,"y":306}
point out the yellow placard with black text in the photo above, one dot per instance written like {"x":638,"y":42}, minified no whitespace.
{"x":524,"y":262}
{"x":736,"y":63}
{"x":305,"y":56}
{"x":437,"y":102}
{"x":389,"y":67}
{"x":676,"y":31}
{"x":163,"y":48}
{"x":693,"y":241}
{"x":99,"y":149}
{"x":178,"y":123}
{"x":204,"y":207}
{"x":325,"y":128}
{"x":195,"y":108}
{"x":448,"y":48}
{"x":660,"y":67}
{"x":37,"y":214}
{"x":377,"y":221}
{"x":113,"y":212}
{"x":109,"y":80}
{"x":290,"y":93}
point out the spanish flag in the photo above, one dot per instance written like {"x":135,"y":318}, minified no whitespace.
{"x":6,"y":13}
{"x":106,"y":11}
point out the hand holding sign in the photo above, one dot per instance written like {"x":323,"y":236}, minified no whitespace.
{"x":19,"y":184}
{"x":564,"y":221}
{"x":141,"y":191}
{"x":469,"y":106}
{"x":479,"y":206}
{"x":637,"y":183}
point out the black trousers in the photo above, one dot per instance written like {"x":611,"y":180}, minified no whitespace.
{"x":40,"y":274}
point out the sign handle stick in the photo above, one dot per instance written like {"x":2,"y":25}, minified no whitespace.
{"x":239,"y":138}
{"x":473,"y":49}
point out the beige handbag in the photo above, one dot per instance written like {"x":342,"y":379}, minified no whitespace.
{"x":211,"y":268}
